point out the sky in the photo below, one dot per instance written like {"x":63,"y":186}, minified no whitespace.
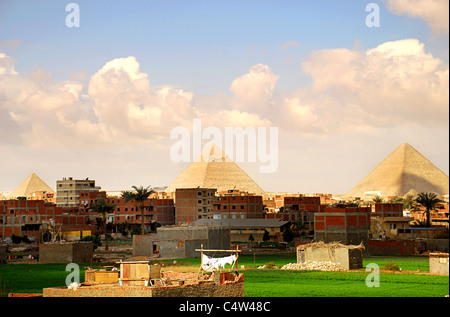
{"x":96,"y":92}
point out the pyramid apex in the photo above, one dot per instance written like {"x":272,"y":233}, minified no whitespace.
{"x":405,"y":145}
{"x":212,"y":153}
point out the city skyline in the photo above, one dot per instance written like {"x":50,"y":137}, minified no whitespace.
{"x":100,"y":100}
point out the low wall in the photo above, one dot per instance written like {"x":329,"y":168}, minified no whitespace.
{"x":407,"y":247}
{"x":80,"y":252}
{"x":181,"y":242}
{"x":394,"y":247}
{"x":211,"y":290}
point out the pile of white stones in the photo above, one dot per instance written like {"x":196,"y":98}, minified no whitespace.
{"x":313,"y":265}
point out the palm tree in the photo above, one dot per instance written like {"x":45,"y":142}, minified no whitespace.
{"x":428,"y":201}
{"x":139,"y":195}
{"x":103,"y":207}
{"x":408,"y":202}
{"x":378,"y":199}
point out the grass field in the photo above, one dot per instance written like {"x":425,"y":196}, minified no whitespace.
{"x":32,"y":278}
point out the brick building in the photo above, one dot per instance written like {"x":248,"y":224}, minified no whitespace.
{"x":299,"y":208}
{"x":193,"y":204}
{"x":348,"y":225}
{"x":157,"y":210}
{"x":234,"y":204}
{"x":23,"y":217}
{"x":160,"y":210}
{"x":387,"y":221}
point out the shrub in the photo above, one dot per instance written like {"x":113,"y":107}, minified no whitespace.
{"x":391,"y":267}
{"x":95,"y":239}
{"x":270,"y":265}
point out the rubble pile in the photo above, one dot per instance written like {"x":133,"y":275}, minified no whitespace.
{"x":313,"y":265}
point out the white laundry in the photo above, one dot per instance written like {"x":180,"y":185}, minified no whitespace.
{"x":211,"y":264}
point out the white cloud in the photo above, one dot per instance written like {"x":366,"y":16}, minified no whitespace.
{"x":254,"y":89}
{"x":396,"y":83}
{"x":119,"y":106}
{"x":434,"y":12}
{"x":393,"y":84}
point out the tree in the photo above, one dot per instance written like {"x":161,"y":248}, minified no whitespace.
{"x":103,"y":207}
{"x":396,"y":200}
{"x":408,"y":202}
{"x":140,"y":196}
{"x":429,"y":202}
{"x":378,"y":199}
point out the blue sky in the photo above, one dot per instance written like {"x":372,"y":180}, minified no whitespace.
{"x":200,"y":49}
{"x":193,"y":43}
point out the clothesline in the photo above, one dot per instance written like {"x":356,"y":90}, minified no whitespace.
{"x":210,"y":264}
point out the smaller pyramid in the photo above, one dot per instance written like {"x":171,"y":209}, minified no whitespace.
{"x":32,"y":184}
{"x":404,"y":171}
{"x":213,"y":169}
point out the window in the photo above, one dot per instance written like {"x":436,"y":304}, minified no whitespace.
{"x":233,"y":207}
{"x":242,"y":206}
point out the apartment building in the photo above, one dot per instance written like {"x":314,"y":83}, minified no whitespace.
{"x":24,"y":217}
{"x":234,"y":204}
{"x":192,"y":204}
{"x":68,"y":190}
{"x":299,"y":208}
{"x":160,"y":210}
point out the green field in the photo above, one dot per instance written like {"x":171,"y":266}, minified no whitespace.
{"x":32,"y":278}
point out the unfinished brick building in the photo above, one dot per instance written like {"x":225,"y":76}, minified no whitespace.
{"x":298,"y":208}
{"x":234,"y":204}
{"x":24,"y":217}
{"x":193,"y":204}
{"x":348,"y":225}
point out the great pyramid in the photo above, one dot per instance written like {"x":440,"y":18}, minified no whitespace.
{"x":213,"y":169}
{"x":404,"y":171}
{"x":32,"y":184}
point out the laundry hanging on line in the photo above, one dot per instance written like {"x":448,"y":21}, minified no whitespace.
{"x":210,"y":264}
